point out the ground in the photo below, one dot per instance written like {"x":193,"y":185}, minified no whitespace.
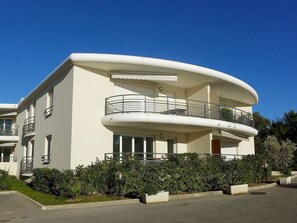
{"x":278,"y":204}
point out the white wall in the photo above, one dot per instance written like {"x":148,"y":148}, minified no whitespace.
{"x":58,"y":124}
{"x":199,"y":142}
{"x":90,"y":139}
{"x":10,"y":167}
{"x":247,"y":147}
{"x":199,"y":93}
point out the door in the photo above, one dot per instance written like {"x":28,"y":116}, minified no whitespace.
{"x":216,"y":146}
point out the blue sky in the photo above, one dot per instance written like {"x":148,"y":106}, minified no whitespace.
{"x":255,"y":41}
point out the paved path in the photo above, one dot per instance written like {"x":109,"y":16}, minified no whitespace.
{"x":279,"y":204}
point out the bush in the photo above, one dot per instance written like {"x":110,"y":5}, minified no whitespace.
{"x":55,"y":182}
{"x":178,"y":173}
{"x":4,"y":180}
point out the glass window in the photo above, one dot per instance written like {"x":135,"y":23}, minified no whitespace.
{"x":140,"y":145}
{"x":171,"y":145}
{"x":116,"y":143}
{"x":149,"y":147}
{"x":50,"y":98}
{"x":46,"y":158}
{"x":6,"y":154}
{"x":127,"y":144}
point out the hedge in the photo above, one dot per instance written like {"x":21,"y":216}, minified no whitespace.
{"x":178,"y":173}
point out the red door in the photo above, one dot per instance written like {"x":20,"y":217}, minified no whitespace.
{"x":216,"y":146}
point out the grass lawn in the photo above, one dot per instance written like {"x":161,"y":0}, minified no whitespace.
{"x":47,"y":199}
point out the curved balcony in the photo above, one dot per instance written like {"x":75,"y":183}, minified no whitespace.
{"x":175,"y":106}
{"x":166,"y":114}
{"x":29,"y":126}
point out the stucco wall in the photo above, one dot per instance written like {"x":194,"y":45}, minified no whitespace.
{"x":58,"y":124}
{"x":10,"y":167}
{"x":247,"y":147}
{"x":199,"y":93}
{"x":199,"y":142}
{"x":90,"y":139}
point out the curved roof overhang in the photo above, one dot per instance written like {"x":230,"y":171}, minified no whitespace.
{"x":188,"y":75}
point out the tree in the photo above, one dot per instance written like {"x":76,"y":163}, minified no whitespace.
{"x":262,"y":124}
{"x":279,"y":154}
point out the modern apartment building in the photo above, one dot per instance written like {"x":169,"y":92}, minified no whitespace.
{"x":98,"y":106}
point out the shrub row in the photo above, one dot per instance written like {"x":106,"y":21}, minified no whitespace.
{"x":178,"y":173}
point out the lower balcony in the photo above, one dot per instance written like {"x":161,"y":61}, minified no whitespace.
{"x":27,"y":166}
{"x":183,"y":115}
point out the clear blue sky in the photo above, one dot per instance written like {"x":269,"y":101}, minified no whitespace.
{"x":253,"y":40}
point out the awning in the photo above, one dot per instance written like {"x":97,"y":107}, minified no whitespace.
{"x":142,"y":75}
{"x":8,"y":145}
{"x":230,"y":135}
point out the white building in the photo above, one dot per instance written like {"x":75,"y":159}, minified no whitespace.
{"x":98,"y":105}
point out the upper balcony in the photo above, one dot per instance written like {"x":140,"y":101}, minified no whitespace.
{"x":9,"y":133}
{"x":11,"y":130}
{"x":29,"y":126}
{"x":187,"y":113}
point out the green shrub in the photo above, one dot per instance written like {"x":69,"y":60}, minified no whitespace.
{"x":132,"y":171}
{"x":4,"y":180}
{"x":55,"y":182}
{"x":130,"y":177}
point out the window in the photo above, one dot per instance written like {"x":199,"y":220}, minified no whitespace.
{"x":139,"y":146}
{"x":171,"y":145}
{"x":5,"y":155}
{"x":6,"y":127}
{"x":32,"y":148}
{"x":32,"y":109}
{"x":49,"y":103}
{"x":46,"y":158}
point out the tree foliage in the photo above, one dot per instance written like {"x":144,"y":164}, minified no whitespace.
{"x":283,"y":129}
{"x":280,"y":153}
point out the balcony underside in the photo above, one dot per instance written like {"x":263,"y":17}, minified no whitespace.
{"x":9,"y":139}
{"x":176,"y":123}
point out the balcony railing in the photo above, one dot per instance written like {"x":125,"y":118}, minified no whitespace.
{"x":27,"y":164}
{"x":174,"y":106}
{"x":8,"y":159}
{"x":29,"y":125}
{"x":158,"y":157}
{"x":48,"y":111}
{"x":8,"y":130}
{"x":46,"y":159}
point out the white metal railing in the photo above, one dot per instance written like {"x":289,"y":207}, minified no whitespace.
{"x":158,"y":157}
{"x":174,"y":106}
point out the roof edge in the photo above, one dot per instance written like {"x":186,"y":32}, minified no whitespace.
{"x":74,"y":58}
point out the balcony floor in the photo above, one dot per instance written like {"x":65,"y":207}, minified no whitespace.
{"x":176,"y":123}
